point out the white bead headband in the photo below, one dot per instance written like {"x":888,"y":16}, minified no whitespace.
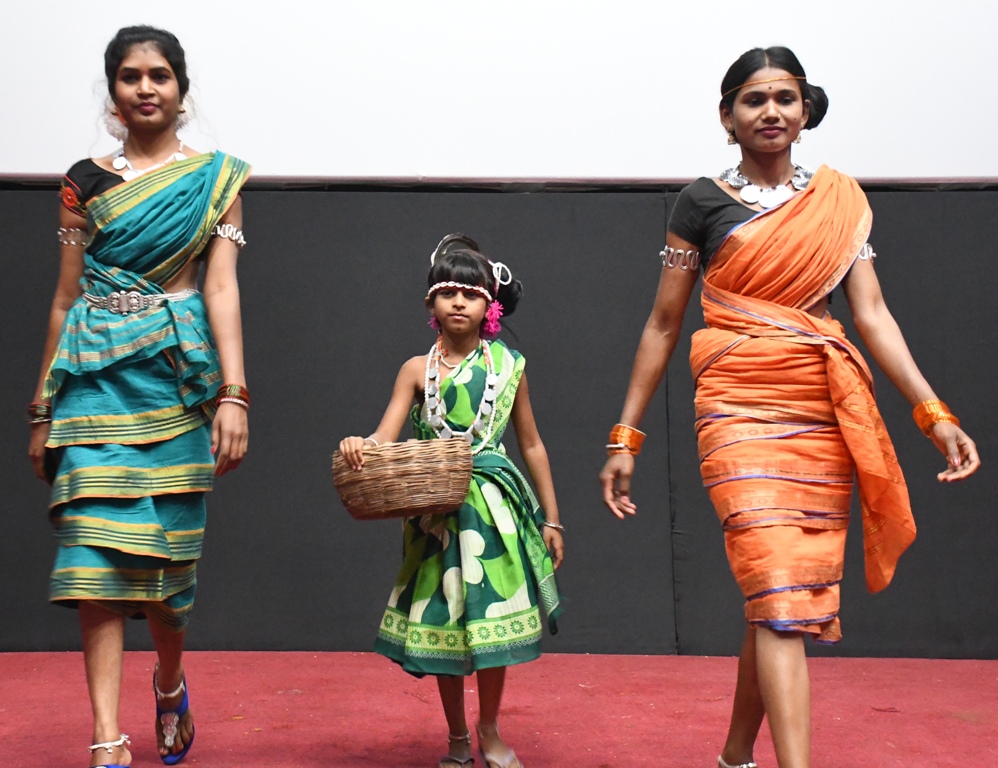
{"x":463,"y":286}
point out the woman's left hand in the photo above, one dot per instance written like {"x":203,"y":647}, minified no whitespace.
{"x":229,"y":437}
{"x":959,"y":450}
{"x":555,"y":544}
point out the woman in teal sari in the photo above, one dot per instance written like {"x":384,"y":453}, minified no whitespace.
{"x":142,"y":399}
{"x":473,"y":581}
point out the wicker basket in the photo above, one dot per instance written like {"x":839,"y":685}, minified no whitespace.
{"x":417,"y":477}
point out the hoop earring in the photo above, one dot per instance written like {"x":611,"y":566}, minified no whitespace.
{"x":732,"y":139}
{"x":113,"y":123}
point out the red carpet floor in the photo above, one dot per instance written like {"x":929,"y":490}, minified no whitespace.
{"x":345,"y":710}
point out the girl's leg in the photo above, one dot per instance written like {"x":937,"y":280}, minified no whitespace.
{"x":169,"y":644}
{"x":452,"y":697}
{"x":786,"y":694}
{"x":747,"y":711}
{"x":495,"y":750}
{"x":103,"y":651}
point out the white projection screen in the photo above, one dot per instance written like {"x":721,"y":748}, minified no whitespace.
{"x":539,"y":90}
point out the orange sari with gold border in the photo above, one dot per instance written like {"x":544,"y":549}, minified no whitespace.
{"x":786,"y":415}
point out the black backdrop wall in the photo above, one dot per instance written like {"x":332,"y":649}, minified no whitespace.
{"x":332,"y":286}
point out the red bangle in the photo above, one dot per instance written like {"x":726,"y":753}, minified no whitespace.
{"x":39,"y":413}
{"x":233,"y":393}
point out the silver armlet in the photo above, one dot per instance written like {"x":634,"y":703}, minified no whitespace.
{"x":229,"y":232}
{"x":685,"y":260}
{"x":72,"y":236}
{"x":866,"y":253}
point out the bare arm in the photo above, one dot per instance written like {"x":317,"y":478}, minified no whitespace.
{"x":230,"y":430}
{"x":658,"y":340}
{"x":66,"y":292}
{"x":882,"y":336}
{"x":408,"y":385}
{"x":536,"y":458}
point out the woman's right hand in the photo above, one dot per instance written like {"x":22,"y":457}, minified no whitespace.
{"x":352,"y":451}
{"x":616,"y":481}
{"x":36,"y":448}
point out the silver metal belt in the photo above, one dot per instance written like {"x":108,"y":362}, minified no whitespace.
{"x":126,"y":302}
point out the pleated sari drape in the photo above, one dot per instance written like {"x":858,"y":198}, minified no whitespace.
{"x":786,"y":416}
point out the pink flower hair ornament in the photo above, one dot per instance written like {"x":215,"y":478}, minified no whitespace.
{"x":491,"y":326}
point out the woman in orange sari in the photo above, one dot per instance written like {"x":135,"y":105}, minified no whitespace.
{"x":784,"y":403}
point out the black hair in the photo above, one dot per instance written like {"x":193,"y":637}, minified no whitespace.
{"x":458,"y":259}
{"x":777,"y":57}
{"x":165,"y":42}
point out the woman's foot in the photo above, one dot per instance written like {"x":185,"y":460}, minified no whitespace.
{"x":458,"y":752}
{"x":496,"y":752}
{"x":110,"y":753}
{"x":174,"y":720}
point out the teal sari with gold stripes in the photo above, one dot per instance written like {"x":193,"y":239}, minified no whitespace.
{"x":131,"y":398}
{"x":473,"y":581}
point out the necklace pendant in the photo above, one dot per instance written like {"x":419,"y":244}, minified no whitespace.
{"x":750,"y":194}
{"x":131,"y":174}
{"x":772,"y":197}
{"x":445,"y":433}
{"x":467,"y":436}
{"x":432,"y":402}
{"x":119,"y":163}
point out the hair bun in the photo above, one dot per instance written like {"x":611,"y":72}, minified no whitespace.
{"x":819,"y":105}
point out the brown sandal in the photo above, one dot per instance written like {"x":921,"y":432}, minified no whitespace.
{"x":449,"y":761}
{"x":492,"y":761}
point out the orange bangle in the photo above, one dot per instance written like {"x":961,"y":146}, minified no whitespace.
{"x":930,"y":412}
{"x":625,"y":439}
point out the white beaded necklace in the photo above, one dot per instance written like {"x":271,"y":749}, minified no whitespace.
{"x":121,"y":162}
{"x":435,"y":407}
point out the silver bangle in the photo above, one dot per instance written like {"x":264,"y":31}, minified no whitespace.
{"x":866,"y":253}
{"x":72,"y":236}
{"x":376,"y":443}
{"x":229,"y":232}
{"x":685,"y":260}
{"x":556,"y":526}
{"x":234,"y":400}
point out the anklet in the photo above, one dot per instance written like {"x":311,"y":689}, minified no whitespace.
{"x":466,"y":738}
{"x":160,"y":695}
{"x":110,"y":745}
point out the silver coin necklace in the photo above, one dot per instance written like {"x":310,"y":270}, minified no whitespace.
{"x":767,"y":197}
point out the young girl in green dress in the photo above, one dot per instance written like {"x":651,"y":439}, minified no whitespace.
{"x":473,"y":581}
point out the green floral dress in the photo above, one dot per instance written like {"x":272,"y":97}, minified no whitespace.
{"x":473,"y":580}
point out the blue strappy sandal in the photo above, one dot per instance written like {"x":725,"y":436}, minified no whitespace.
{"x":169,"y":719}
{"x":109,"y":746}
